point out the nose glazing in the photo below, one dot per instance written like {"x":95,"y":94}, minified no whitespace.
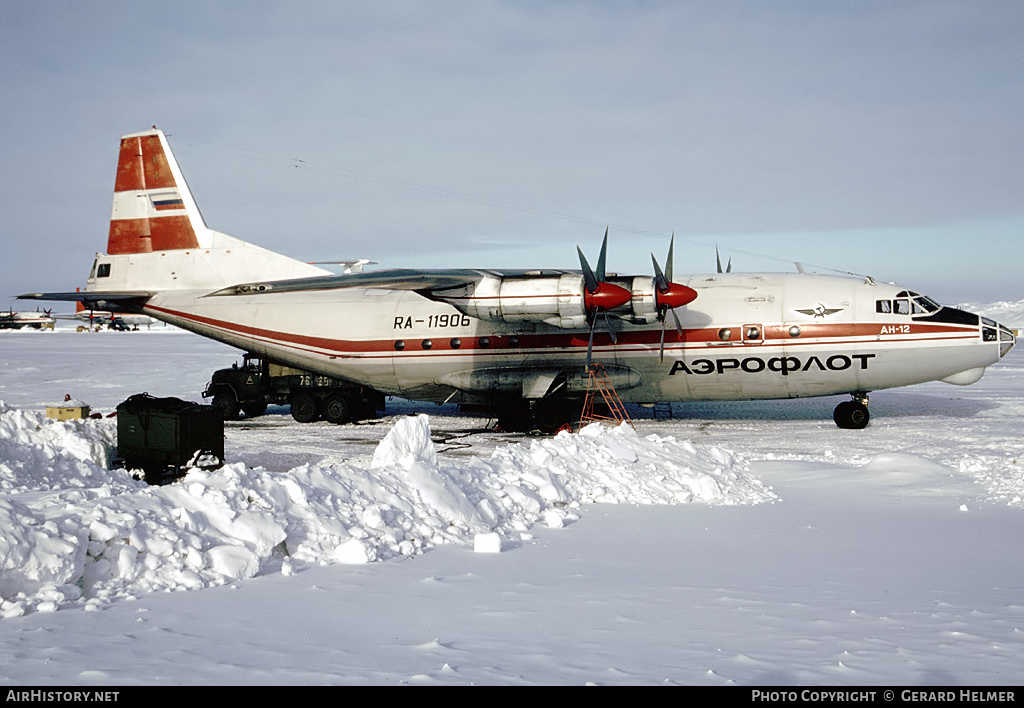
{"x":992,"y":331}
{"x":1007,"y":338}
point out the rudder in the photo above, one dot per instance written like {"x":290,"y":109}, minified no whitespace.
{"x":153,"y":209}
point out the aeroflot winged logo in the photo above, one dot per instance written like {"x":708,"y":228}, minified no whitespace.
{"x":820,"y":311}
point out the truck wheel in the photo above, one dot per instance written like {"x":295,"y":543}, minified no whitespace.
{"x":304,"y":408}
{"x":337,"y":409}
{"x":227,"y":404}
{"x":254,"y":409}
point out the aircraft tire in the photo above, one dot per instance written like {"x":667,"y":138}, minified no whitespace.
{"x":304,"y":408}
{"x":514,"y":416}
{"x":227,"y":404}
{"x":338,"y":409}
{"x":851,"y":415}
{"x":549,"y":415}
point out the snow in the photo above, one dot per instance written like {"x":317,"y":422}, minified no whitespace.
{"x":736,"y":543}
{"x":115,"y":537}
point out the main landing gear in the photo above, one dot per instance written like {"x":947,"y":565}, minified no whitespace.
{"x":853,"y":415}
{"x":546,"y":415}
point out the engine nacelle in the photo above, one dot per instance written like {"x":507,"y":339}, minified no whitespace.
{"x":557,"y":300}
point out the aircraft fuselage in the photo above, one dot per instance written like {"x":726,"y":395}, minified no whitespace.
{"x":746,"y":336}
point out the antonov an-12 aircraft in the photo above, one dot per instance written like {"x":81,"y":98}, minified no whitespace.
{"x":522,"y":341}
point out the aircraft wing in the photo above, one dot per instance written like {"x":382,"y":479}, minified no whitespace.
{"x":424,"y":281}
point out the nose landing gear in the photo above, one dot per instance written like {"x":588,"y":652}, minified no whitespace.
{"x":853,"y":415}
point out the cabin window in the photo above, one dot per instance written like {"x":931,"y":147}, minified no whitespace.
{"x":103,"y":270}
{"x":883,"y":306}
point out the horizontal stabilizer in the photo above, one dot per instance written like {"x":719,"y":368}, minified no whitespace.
{"x":119,"y":301}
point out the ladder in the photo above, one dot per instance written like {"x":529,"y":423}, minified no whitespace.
{"x":600,"y":384}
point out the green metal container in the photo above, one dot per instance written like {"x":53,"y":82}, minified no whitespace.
{"x":166,"y":436}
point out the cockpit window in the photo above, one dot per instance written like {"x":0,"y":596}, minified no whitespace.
{"x":103,"y":270}
{"x":907,"y":302}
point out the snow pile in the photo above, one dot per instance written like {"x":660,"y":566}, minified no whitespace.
{"x":76,"y":534}
{"x":39,"y":453}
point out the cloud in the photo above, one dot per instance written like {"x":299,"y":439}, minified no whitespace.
{"x":429,"y":130}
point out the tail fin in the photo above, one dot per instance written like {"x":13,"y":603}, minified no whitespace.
{"x":153,"y":208}
{"x":158,"y":240}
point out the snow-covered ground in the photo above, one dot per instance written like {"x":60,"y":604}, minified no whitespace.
{"x":737,"y":543}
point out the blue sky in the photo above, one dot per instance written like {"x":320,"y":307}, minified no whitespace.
{"x":872,"y":137}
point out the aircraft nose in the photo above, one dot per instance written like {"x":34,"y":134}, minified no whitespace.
{"x":993,"y":331}
{"x":1007,"y":338}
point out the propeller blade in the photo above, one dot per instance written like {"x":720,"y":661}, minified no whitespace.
{"x":668,"y":260}
{"x":589,"y":279}
{"x":590,"y":342}
{"x":718,"y":261}
{"x":660,"y":280}
{"x":664,"y":325}
{"x":611,"y":329}
{"x":602,"y":259}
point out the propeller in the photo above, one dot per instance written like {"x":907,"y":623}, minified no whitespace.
{"x":718,"y":260}
{"x":600,"y":296}
{"x":669,"y":295}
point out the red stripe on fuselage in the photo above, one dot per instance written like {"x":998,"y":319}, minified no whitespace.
{"x":636,"y":341}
